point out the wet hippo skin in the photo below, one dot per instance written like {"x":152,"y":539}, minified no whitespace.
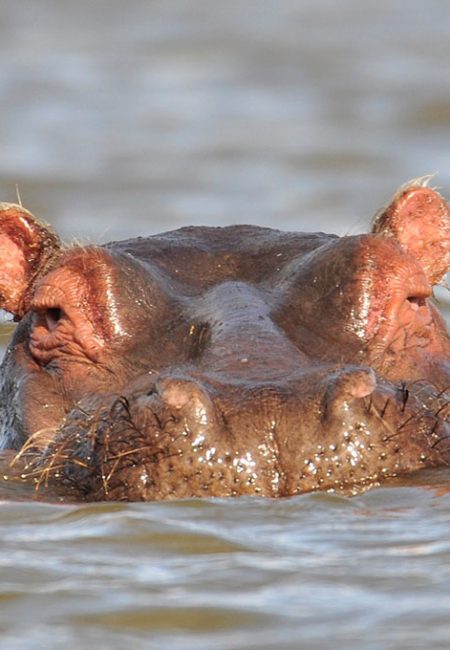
{"x":227,"y":361}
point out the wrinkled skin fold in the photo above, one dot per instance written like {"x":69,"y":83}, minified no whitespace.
{"x":227,"y":361}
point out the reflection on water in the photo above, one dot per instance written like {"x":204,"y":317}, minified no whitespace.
{"x":118,"y":121}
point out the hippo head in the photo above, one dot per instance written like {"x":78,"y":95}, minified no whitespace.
{"x":224,"y":361}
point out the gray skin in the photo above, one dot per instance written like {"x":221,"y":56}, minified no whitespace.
{"x":227,"y":361}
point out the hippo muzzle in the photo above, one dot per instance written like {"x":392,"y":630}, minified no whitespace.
{"x":227,"y":361}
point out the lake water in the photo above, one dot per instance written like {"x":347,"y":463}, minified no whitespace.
{"x":120,"y":119}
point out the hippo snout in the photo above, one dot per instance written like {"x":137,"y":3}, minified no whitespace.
{"x":177,"y":437}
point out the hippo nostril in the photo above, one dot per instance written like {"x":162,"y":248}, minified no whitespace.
{"x":52,"y":317}
{"x":191,"y":399}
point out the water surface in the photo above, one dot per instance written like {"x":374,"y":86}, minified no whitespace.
{"x":315,"y":571}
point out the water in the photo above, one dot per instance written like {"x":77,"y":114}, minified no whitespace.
{"x":120,"y":120}
{"x":309,"y":572}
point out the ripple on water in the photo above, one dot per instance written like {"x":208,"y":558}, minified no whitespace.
{"x":238,"y":573}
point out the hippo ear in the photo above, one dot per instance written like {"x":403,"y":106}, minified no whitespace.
{"x":419,"y":219}
{"x":25,"y":249}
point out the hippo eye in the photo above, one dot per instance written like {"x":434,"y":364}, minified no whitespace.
{"x":52,"y":317}
{"x":418,"y":301}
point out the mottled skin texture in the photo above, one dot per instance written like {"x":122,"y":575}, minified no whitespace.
{"x":227,"y":361}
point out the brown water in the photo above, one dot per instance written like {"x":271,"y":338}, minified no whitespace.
{"x":129,"y":118}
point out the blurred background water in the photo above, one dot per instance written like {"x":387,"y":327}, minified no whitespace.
{"x":119,"y":119}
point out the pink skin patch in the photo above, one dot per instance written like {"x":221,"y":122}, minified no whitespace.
{"x":364,"y":385}
{"x":13,"y":280}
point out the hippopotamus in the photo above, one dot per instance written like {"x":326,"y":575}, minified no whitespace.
{"x":224,"y":361}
